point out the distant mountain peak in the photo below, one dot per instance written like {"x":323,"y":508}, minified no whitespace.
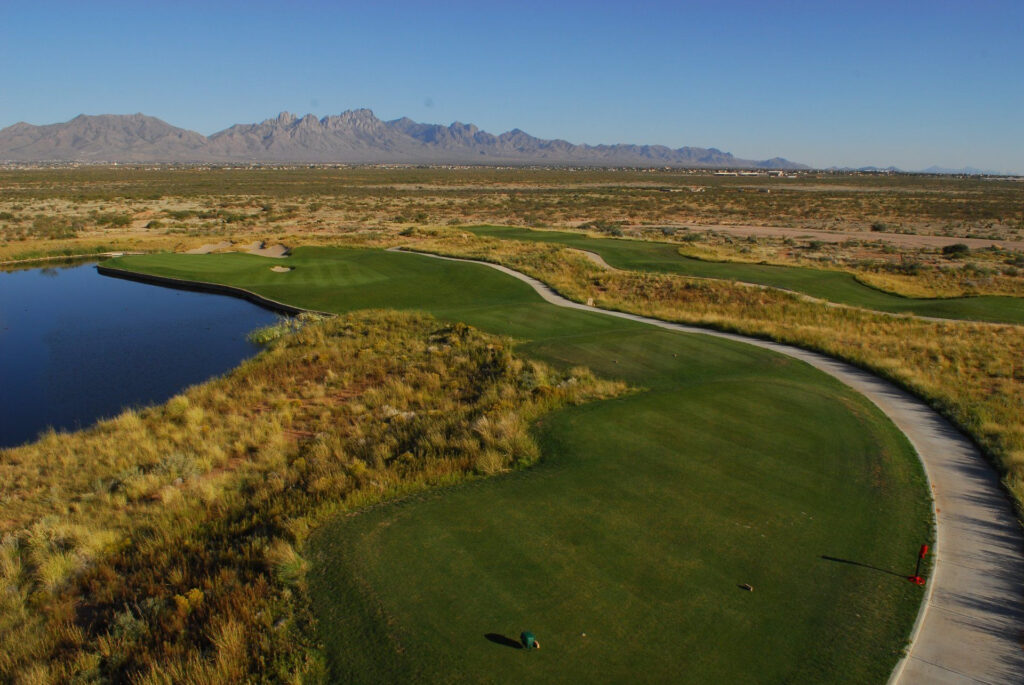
{"x":354,"y":136}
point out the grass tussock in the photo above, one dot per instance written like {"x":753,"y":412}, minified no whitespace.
{"x":165,"y":545}
{"x":972,"y":373}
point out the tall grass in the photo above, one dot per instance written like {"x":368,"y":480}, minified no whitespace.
{"x":166,"y":545}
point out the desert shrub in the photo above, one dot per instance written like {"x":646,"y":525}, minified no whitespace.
{"x":908,"y":267}
{"x":613,"y":228}
{"x":112,"y":219}
{"x":956,"y":250}
{"x":53,"y":227}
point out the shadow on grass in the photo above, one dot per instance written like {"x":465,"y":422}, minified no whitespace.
{"x":863,"y":565}
{"x":504,"y":640}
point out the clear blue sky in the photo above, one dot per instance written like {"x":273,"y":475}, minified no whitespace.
{"x":850,"y":83}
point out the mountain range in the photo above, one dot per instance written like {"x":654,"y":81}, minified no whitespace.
{"x":354,"y":137}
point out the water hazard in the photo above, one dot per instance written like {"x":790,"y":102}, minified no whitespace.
{"x":76,"y":346}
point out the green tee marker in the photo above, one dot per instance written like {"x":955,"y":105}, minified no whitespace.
{"x":529,"y":640}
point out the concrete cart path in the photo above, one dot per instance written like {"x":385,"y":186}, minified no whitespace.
{"x":971,"y":625}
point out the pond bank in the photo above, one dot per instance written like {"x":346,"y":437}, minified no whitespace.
{"x":203,"y":287}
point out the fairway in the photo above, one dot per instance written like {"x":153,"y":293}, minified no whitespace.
{"x":834,"y":286}
{"x":730,"y":465}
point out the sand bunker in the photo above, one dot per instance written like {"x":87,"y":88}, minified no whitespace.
{"x":281,"y":269}
{"x":259,"y":248}
{"x":210,"y":247}
{"x":263,"y":250}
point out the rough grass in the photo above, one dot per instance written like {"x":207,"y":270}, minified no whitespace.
{"x":165,"y":545}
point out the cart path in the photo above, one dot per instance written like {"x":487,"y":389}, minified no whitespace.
{"x":971,"y":625}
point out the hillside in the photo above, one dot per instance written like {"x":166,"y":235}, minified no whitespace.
{"x":355,"y":136}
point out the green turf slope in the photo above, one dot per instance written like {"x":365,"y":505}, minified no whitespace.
{"x":835,"y":286}
{"x":734,"y":465}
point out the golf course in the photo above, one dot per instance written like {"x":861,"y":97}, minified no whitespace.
{"x":834,"y":286}
{"x":739,"y":516}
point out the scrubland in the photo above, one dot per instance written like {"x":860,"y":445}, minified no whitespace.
{"x":96,"y":201}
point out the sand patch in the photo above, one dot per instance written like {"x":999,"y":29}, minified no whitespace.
{"x":258,"y":247}
{"x":280,"y":269}
{"x":210,"y":247}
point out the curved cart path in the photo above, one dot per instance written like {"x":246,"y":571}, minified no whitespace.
{"x":971,"y":625}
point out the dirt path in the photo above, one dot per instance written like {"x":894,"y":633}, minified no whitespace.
{"x":971,"y":625}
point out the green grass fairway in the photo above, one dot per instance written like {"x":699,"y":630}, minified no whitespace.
{"x":733,"y":465}
{"x":834,"y":286}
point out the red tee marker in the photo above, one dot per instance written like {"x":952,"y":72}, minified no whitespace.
{"x":916,"y":579}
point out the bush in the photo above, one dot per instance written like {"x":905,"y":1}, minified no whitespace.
{"x":116,"y":220}
{"x":879,"y":227}
{"x":610,"y":227}
{"x":956,"y":250}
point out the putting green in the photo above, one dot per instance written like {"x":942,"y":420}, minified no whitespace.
{"x":834,"y":286}
{"x":732,"y":466}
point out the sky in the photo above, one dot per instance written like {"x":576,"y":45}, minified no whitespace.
{"x":901,"y":83}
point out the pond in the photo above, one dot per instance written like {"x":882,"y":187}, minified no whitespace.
{"x":76,"y":346}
